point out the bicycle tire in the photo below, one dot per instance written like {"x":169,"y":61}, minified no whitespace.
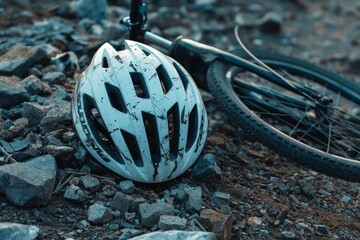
{"x":259,"y":130}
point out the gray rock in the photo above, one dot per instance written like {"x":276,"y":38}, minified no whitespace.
{"x":93,"y":9}
{"x":179,"y":195}
{"x":121,"y":202}
{"x":20,"y":58}
{"x":168,"y":222}
{"x":177,"y":235}
{"x":14,"y":146}
{"x":54,"y":77}
{"x":322,"y":229}
{"x":35,"y":86}
{"x":307,"y":187}
{"x":136,"y":203}
{"x":220,"y":199}
{"x":113,"y":31}
{"x":34,"y":112}
{"x":127,"y":186}
{"x":11,"y":92}
{"x":150,"y":213}
{"x":67,"y":62}
{"x":61,"y":153}
{"x":108,"y":190}
{"x":270,"y":23}
{"x":194,"y":201}
{"x":346,"y":199}
{"x":130,"y":217}
{"x":264,"y":234}
{"x":15,"y":231}
{"x":30,"y":183}
{"x":61,"y":94}
{"x":206,"y":169}
{"x":91,"y":183}
{"x":80,"y":154}
{"x":98,"y":214}
{"x":288,"y":234}
{"x":58,"y":116}
{"x":74,"y":193}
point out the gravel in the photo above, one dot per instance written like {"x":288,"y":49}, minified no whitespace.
{"x":237,"y":189}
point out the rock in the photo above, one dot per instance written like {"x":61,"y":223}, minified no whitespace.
{"x":168,"y":222}
{"x":58,"y":116}
{"x":130,"y":217}
{"x":34,"y":112}
{"x":206,"y":169}
{"x":91,"y":183}
{"x":80,"y":154}
{"x":254,"y":222}
{"x":121,"y":202}
{"x":17,"y":231}
{"x":93,"y":9}
{"x":346,"y":199}
{"x":61,"y":153}
{"x":67,"y":63}
{"x":220,"y":199}
{"x":264,"y":234}
{"x":176,"y":235}
{"x":113,"y":31}
{"x":150,"y":213}
{"x":20,"y":58}
{"x":322,"y":228}
{"x":98,"y":214}
{"x":194,"y":201}
{"x":307,"y":187}
{"x":74,"y":193}
{"x":83,"y":224}
{"x":35,"y":86}
{"x":30,"y":183}
{"x":11,"y":92}
{"x":179,"y":195}
{"x":205,"y":5}
{"x":127,"y":186}
{"x":54,"y":77}
{"x":61,"y":94}
{"x":19,"y":126}
{"x":270,"y":23}
{"x":288,"y":235}
{"x":14,"y":146}
{"x":217,"y":223}
{"x":108,"y":190}
{"x":136,"y":203}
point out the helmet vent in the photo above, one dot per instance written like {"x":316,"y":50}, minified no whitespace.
{"x":183,"y":77}
{"x":164,"y":78}
{"x":104,"y":63}
{"x":193,"y":128}
{"x":146,"y":52}
{"x":133,"y":147}
{"x":139,"y":84}
{"x":99,"y":131}
{"x":174,"y":130}
{"x":115,"y":98}
{"x":152,"y":136}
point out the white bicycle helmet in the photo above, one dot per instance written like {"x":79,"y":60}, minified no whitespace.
{"x":139,"y":113}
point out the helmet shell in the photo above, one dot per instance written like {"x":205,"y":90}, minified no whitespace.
{"x":139,"y":113}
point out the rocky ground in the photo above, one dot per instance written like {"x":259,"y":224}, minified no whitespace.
{"x":236,"y":190}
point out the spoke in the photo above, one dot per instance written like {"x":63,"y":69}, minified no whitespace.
{"x":297,"y":124}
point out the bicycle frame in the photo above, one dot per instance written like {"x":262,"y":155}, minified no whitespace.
{"x":196,"y":57}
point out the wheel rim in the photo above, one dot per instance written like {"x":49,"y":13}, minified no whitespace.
{"x":333,"y":128}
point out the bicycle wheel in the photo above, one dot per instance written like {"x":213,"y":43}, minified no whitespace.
{"x":326,"y":139}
